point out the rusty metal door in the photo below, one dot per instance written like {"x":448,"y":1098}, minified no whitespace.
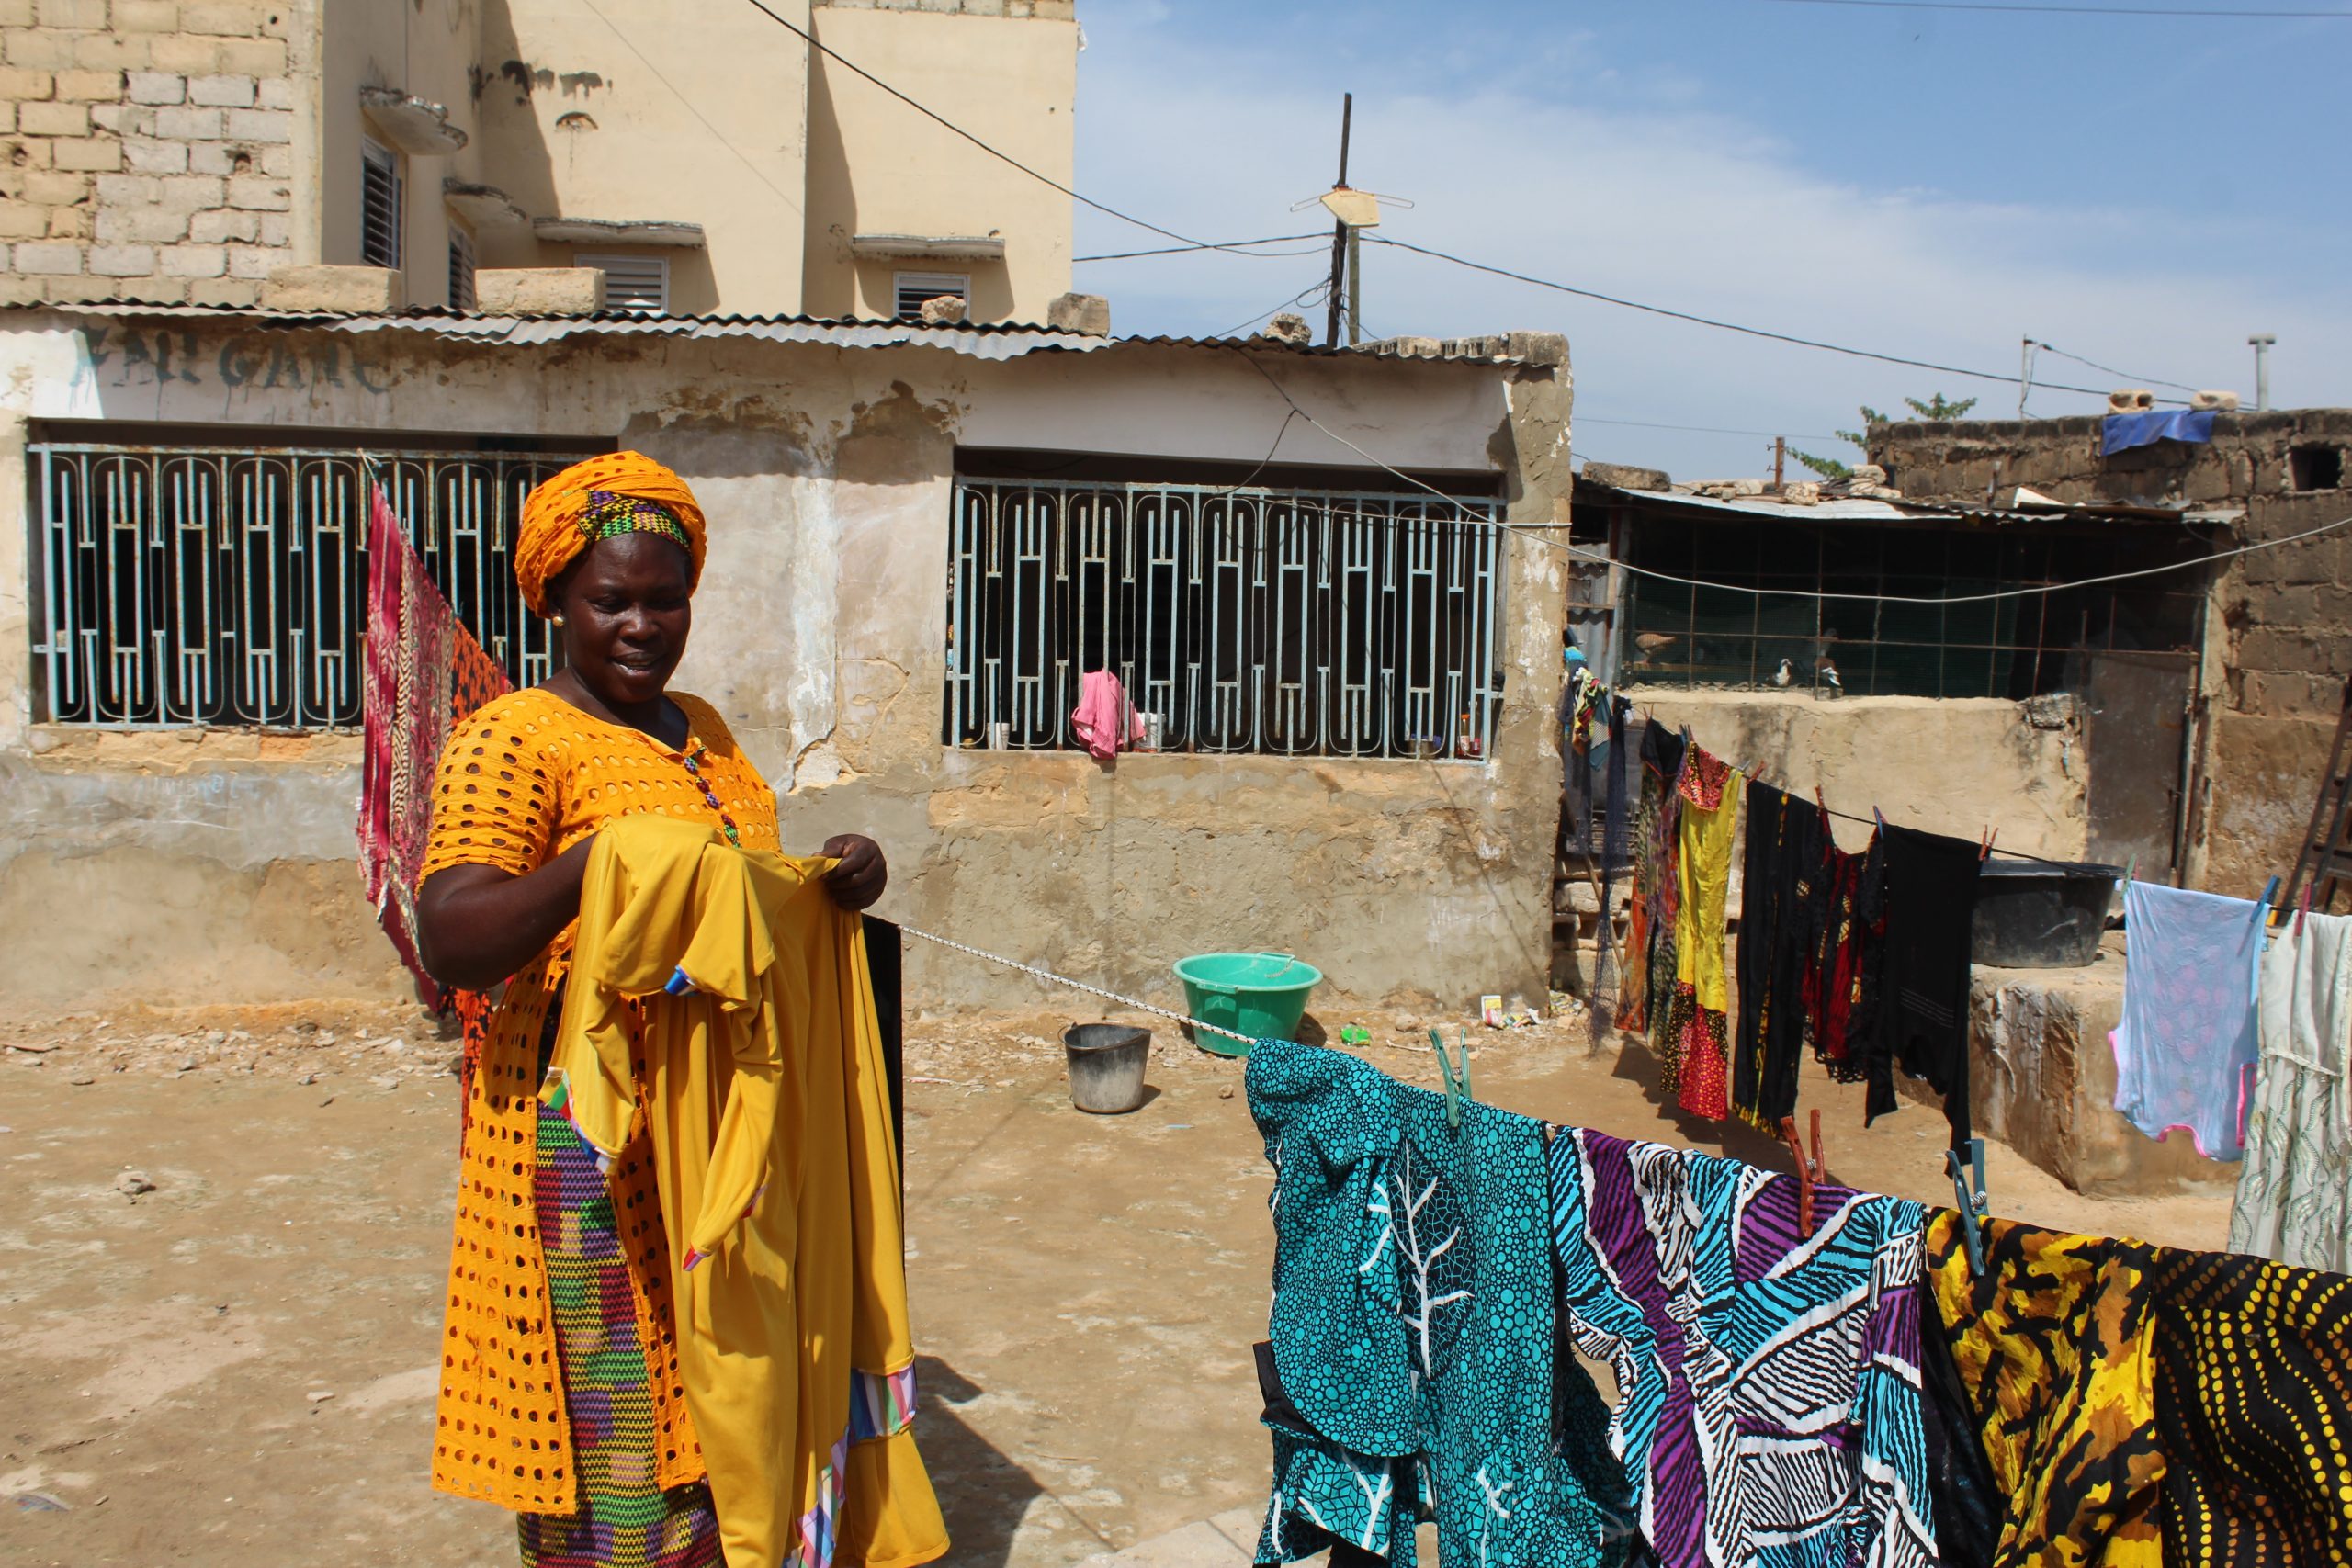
{"x":2136,"y":714}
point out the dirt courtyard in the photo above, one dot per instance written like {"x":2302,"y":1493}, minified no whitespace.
{"x":235,"y":1365}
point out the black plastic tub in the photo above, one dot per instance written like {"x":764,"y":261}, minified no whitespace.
{"x":2037,"y":915}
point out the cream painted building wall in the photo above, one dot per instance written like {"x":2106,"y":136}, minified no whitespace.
{"x":165,"y":153}
{"x":226,"y":859}
{"x":876,"y":167}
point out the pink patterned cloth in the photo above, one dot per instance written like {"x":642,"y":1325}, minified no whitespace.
{"x":421,"y":673}
{"x":1104,"y":719}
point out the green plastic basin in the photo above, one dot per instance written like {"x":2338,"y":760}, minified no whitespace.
{"x":1261,"y":995}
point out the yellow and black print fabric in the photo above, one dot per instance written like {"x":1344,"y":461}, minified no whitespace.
{"x":2054,"y":1343}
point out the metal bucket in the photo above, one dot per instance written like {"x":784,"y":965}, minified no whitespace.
{"x":1107,"y":1063}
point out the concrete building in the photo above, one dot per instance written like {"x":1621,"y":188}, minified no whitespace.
{"x":2175,"y":723}
{"x":2274,"y":636}
{"x":704,"y":159}
{"x":920,"y":537}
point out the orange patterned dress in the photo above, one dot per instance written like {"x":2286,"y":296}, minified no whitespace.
{"x":525,"y":778}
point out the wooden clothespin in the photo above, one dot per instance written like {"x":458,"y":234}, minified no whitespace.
{"x":1457,"y":1088}
{"x":1973,"y":1204}
{"x":1808,"y":1171}
{"x":1985,"y":849}
{"x":2303,"y":908}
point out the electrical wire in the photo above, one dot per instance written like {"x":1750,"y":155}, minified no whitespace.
{"x":933,"y":115}
{"x":1310,"y":295}
{"x":688,"y":105}
{"x":1706,"y":429}
{"x":2073,"y":10}
{"x":1603,"y":558}
{"x":1233,"y":247}
{"x":2107,"y":369}
{"x":1730,"y":326}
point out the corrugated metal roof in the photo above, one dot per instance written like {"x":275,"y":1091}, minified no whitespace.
{"x":977,"y":340}
{"x":1861,"y":510}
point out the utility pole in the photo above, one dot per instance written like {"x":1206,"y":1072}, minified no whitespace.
{"x":2262,"y":342}
{"x":1355,"y":286}
{"x":1339,"y":246}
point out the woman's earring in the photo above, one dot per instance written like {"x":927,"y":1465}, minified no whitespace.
{"x":559,"y":619}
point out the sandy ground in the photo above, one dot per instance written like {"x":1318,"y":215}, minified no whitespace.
{"x":236,"y":1367}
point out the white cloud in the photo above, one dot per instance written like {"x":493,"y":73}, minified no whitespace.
{"x":1665,"y":201}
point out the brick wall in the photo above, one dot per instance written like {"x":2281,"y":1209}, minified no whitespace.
{"x":146,"y":149}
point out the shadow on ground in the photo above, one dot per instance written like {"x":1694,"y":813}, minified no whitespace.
{"x":983,"y":1494}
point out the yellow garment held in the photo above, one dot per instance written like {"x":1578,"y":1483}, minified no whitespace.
{"x":763,"y":1091}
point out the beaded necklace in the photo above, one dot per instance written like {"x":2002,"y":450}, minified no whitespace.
{"x":692,"y":756}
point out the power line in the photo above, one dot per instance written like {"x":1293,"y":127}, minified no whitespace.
{"x":1732,"y":326}
{"x":1314,"y":288}
{"x":931,"y":114}
{"x":757,"y":173}
{"x":2108,"y":369}
{"x":2073,"y":10}
{"x":1235,"y":246}
{"x":1703,"y":429}
{"x":1602,"y":558}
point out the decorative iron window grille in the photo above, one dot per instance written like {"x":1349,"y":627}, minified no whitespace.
{"x":1676,"y":635}
{"x":1287,"y":622}
{"x":382,"y":203}
{"x":209,"y":586}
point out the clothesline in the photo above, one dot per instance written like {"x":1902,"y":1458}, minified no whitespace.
{"x":1047,"y":975}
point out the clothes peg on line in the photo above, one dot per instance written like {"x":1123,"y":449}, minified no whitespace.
{"x":1457,"y":1088}
{"x":1974,"y":1204}
{"x":1808,"y":1171}
{"x":1985,"y":849}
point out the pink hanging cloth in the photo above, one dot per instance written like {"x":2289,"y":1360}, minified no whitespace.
{"x":1104,"y":719}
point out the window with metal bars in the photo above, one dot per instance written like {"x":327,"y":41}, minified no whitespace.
{"x":380,"y":198}
{"x":461,"y":269}
{"x":1286,"y":622}
{"x":1862,"y":629}
{"x":186,"y":585}
{"x":632,"y":283}
{"x":914,"y":288}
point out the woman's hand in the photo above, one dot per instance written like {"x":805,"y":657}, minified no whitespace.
{"x":859,"y":880}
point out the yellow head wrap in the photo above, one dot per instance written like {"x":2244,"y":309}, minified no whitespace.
{"x":589,"y":500}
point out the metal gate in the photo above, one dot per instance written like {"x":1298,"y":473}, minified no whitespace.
{"x":186,"y":585}
{"x":1306,"y":622}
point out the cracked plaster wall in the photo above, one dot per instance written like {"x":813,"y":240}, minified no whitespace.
{"x":226,"y":863}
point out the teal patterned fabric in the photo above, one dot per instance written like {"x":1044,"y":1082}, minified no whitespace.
{"x":1414,"y":1330}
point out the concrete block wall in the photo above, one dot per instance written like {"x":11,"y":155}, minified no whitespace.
{"x":2280,"y":648}
{"x":146,"y":149}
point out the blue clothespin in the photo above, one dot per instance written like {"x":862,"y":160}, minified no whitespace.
{"x":1457,"y":1088}
{"x":1974,"y":1204}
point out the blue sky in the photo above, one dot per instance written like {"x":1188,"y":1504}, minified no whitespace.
{"x":2141,"y":191}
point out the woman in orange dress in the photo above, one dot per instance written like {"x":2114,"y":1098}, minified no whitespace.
{"x":560,"y":1389}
